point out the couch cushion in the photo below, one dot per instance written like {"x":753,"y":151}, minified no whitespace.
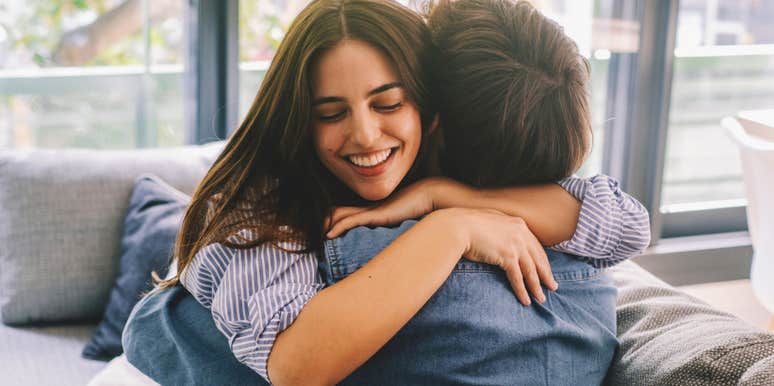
{"x":151,"y":225}
{"x":668,"y":337}
{"x":43,"y":356}
{"x":61,"y":214}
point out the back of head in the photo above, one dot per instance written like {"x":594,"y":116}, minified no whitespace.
{"x":513,"y":95}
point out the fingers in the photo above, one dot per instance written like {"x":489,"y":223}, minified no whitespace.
{"x":340,"y":213}
{"x":531,"y":278}
{"x":346,"y":211}
{"x":525,"y":275}
{"x":364,"y":216}
{"x":543,"y":266}
{"x":539,"y":261}
{"x":343,"y":226}
{"x":517,"y":283}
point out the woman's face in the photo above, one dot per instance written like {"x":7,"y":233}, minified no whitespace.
{"x":366,"y":130}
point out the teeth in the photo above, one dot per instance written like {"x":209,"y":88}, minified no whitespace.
{"x":374,"y":159}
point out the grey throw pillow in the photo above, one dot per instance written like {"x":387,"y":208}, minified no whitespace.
{"x":152,"y":221}
{"x":61,"y":215}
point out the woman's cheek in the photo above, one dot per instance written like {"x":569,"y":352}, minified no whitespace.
{"x":412,"y":128}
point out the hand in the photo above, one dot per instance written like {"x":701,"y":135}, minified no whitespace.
{"x":410,"y":202}
{"x":506,"y":241}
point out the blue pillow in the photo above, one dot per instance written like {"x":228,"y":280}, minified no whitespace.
{"x":152,"y":221}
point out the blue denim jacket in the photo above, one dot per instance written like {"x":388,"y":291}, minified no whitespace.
{"x":473,"y":330}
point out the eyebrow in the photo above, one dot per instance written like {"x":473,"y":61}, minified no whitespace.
{"x":373,"y":92}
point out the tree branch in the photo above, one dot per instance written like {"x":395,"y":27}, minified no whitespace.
{"x":82,"y":44}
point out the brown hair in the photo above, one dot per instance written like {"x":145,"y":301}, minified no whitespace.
{"x":512,"y":91}
{"x":268,"y":178}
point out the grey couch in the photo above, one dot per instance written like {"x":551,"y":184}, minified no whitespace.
{"x":61,"y":218}
{"x":60,"y":223}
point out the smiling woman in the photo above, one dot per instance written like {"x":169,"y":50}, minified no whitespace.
{"x":339,"y":119}
{"x":366,"y":131}
{"x":346,"y":88}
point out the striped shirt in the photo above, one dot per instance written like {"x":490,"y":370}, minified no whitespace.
{"x":254,"y":294}
{"x":612,"y":226}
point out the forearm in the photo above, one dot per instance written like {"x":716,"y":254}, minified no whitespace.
{"x":345,"y":324}
{"x":549,"y":210}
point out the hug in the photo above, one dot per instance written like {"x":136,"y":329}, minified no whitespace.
{"x":399,"y":207}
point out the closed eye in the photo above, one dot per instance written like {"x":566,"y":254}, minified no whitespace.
{"x":332,"y":117}
{"x":389,"y":108}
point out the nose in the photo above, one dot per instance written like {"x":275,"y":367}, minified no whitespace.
{"x":365,"y":129}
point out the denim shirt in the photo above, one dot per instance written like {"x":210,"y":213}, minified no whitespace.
{"x":256,"y":293}
{"x":473,"y":330}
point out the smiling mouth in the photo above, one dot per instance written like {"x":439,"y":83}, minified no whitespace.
{"x":371,"y":160}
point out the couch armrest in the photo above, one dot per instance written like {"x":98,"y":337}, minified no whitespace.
{"x":669,"y":337}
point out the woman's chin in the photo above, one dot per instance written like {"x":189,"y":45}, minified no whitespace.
{"x":374,"y":193}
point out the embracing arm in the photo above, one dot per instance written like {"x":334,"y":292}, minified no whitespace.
{"x":550,"y":211}
{"x":589,"y":217}
{"x":265,"y":301}
{"x":345,"y":324}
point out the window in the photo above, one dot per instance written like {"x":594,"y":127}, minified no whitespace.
{"x":91,"y":73}
{"x":723,"y":63}
{"x":262,"y":24}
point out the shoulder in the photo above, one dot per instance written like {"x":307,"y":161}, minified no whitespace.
{"x":264,"y":263}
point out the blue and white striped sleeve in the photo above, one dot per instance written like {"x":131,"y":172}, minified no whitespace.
{"x":612,"y":226}
{"x":254,"y":294}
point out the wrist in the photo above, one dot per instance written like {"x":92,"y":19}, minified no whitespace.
{"x":447,"y":193}
{"x":450,"y":222}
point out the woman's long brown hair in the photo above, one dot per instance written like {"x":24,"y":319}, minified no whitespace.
{"x":268,"y":179}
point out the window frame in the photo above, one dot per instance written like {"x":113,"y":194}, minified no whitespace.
{"x":689,"y":245}
{"x":640,"y":90}
{"x":211,"y":79}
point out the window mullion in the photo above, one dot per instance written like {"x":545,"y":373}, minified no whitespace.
{"x":212,"y":68}
{"x":640,"y":107}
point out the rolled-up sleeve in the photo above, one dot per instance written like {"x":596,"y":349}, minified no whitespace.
{"x":254,"y":294}
{"x":612,"y":226}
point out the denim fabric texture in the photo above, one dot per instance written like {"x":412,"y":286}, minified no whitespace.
{"x":472,"y":331}
{"x":172,"y":339}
